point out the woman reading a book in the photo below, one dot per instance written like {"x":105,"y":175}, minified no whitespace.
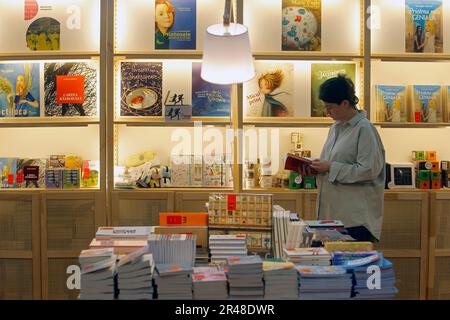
{"x":351,"y":169}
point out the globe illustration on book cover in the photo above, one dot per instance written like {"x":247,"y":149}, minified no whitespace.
{"x":300,"y":28}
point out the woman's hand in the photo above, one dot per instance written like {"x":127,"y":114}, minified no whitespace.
{"x":321,"y":166}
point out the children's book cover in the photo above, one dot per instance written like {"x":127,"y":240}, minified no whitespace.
{"x":301,"y":25}
{"x":212,"y":171}
{"x":8,"y":173}
{"x":427,"y":104}
{"x":71,"y":89}
{"x":19,"y":90}
{"x":391,"y":103}
{"x":31,"y":173}
{"x":180,"y":168}
{"x":424,"y":26}
{"x":141,"y":89}
{"x":175,"y":24}
{"x":320,"y":72}
{"x":271,"y":92}
{"x":208,"y":99}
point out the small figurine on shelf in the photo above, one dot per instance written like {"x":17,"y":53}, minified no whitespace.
{"x":166,"y":180}
{"x":155,"y":177}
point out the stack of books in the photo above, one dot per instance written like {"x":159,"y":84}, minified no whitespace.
{"x":222,"y":247}
{"x":135,"y":272}
{"x":99,"y":280}
{"x":321,"y":236}
{"x":308,"y":256}
{"x":369,"y":290}
{"x":325,"y":224}
{"x":245,"y":277}
{"x":173,"y":281}
{"x":210,"y":285}
{"x":324,"y":283}
{"x":344,"y":258}
{"x":280,"y":280}
{"x":91,"y":256}
{"x":173,"y":248}
{"x":124,"y":233}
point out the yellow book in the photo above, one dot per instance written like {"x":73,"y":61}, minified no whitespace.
{"x":348,"y":246}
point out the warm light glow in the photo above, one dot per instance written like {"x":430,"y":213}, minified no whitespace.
{"x":227,"y":56}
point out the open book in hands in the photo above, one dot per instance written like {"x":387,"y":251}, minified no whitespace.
{"x":301,"y":165}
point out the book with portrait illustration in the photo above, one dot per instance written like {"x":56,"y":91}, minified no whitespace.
{"x":209,"y":99}
{"x":270,"y":93}
{"x":175,"y":24}
{"x":301,"y":25}
{"x":391,"y":103}
{"x":141,"y":88}
{"x":70,"y":89}
{"x":424,"y":26}
{"x":19,"y":90}
{"x":321,"y":72}
{"x":427,"y":103}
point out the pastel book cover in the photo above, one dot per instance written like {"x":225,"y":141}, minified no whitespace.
{"x":70,"y":89}
{"x":427,"y":104}
{"x":208,"y":99}
{"x":301,"y":25}
{"x":391,"y":103}
{"x":271,"y":92}
{"x":19,"y":90}
{"x":141,"y":89}
{"x":196,"y":171}
{"x":8,"y":173}
{"x":180,"y":168}
{"x":175,"y":24}
{"x":54,"y":178}
{"x":321,"y":72}
{"x":212,"y":171}
{"x":31,"y":173}
{"x":424,"y":26}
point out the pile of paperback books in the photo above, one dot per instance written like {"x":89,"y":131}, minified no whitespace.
{"x":280,"y":280}
{"x":222,"y":247}
{"x":209,"y":283}
{"x":173,"y":281}
{"x":308,"y":256}
{"x":173,"y":248}
{"x":245,"y":277}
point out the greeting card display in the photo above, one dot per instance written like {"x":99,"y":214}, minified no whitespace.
{"x":321,"y":72}
{"x":70,"y":89}
{"x":301,"y":25}
{"x":270,"y":93}
{"x":141,"y":89}
{"x":175,"y":24}
{"x":208,"y":99}
{"x":424,"y":26}
{"x":391,"y":103}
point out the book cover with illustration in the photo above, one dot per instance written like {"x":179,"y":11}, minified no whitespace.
{"x":141,"y":89}
{"x":301,"y":25}
{"x":175,"y":24}
{"x":31,"y":173}
{"x":427,"y":104}
{"x":8,"y":173}
{"x":70,"y":89}
{"x":208,"y":99}
{"x":321,"y":72}
{"x":212,"y":171}
{"x":271,"y":92}
{"x":391,"y":103}
{"x":424,"y":26}
{"x":19,"y":90}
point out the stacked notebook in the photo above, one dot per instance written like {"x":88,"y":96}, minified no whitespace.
{"x":173,"y":248}
{"x":173,"y":281}
{"x":324,"y":283}
{"x":280,"y":280}
{"x":99,"y":280}
{"x":308,"y":256}
{"x":222,"y":247}
{"x":210,"y":285}
{"x":245,"y":277}
{"x":135,"y":272}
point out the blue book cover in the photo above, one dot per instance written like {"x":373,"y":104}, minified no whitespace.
{"x":427,"y":103}
{"x":208,"y":99}
{"x":175,"y":24}
{"x":19,"y":90}
{"x":321,"y":271}
{"x":424,"y":26}
{"x":8,"y":173}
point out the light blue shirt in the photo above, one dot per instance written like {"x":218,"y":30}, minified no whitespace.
{"x":353,"y":190}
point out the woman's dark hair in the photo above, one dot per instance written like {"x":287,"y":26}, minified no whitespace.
{"x":338,"y":89}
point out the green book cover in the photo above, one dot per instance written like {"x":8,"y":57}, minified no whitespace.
{"x":320,"y":72}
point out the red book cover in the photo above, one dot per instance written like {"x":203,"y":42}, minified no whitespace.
{"x":293,"y":163}
{"x":70,"y":89}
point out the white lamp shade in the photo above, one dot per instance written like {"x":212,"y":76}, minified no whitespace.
{"x":227,"y":58}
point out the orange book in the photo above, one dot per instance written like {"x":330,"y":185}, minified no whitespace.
{"x":183,"y":219}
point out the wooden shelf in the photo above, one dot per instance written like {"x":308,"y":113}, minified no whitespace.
{"x":159,"y":122}
{"x":159,"y":55}
{"x":299,"y":55}
{"x":48,"y":122}
{"x":409,"y":125}
{"x":413,"y":57}
{"x":187,"y":189}
{"x":288,"y":122}
{"x":36,"y":190}
{"x":46,"y":55}
{"x":279,"y":190}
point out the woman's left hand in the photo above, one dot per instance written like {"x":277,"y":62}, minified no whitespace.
{"x":321,"y":166}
